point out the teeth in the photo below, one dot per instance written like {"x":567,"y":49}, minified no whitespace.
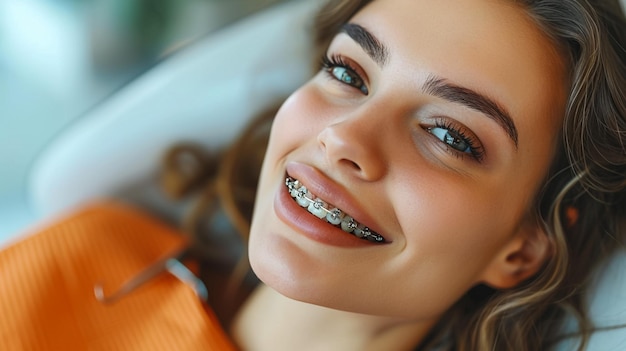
{"x":335,"y":216}
{"x":303,"y":197}
{"x":348,"y":224}
{"x":317,"y":208}
{"x":293,"y":187}
{"x":358,"y":231}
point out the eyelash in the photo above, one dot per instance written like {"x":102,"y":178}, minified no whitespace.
{"x":475,"y":147}
{"x":329,"y":63}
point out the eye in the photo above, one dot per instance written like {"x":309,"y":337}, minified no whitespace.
{"x":451,"y":138}
{"x":457,"y":139}
{"x":338,"y":68}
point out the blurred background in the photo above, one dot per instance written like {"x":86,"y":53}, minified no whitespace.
{"x":59,"y":58}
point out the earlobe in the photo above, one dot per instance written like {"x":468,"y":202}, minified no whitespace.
{"x":519,"y":259}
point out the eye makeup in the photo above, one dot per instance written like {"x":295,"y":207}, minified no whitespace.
{"x":339,"y":68}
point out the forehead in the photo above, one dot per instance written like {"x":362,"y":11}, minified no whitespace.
{"x":492,"y":46}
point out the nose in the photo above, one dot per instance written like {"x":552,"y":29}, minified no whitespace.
{"x":353,"y":146}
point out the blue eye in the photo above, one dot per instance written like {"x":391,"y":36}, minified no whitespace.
{"x":452,"y":139}
{"x":344,"y":75}
{"x":342,"y":71}
{"x":458,"y":140}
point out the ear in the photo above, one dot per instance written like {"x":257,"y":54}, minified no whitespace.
{"x":520,"y":258}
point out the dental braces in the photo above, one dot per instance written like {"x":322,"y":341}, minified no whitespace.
{"x":336,"y":215}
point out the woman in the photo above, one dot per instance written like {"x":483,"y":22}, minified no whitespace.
{"x":448,"y":180}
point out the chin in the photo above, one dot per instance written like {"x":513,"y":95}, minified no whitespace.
{"x":301,"y":286}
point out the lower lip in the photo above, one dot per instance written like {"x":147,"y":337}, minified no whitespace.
{"x":299,"y":219}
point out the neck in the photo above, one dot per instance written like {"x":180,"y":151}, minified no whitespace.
{"x":270,"y":321}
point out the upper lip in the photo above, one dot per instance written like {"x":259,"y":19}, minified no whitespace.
{"x":326,"y":189}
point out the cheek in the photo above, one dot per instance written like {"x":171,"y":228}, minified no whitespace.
{"x":455,"y":227}
{"x":298,"y":120}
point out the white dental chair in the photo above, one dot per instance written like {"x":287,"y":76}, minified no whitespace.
{"x":206,"y":93}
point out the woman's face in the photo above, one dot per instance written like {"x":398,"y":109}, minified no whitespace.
{"x":433,"y":124}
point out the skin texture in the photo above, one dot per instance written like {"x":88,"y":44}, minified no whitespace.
{"x":451,"y":220}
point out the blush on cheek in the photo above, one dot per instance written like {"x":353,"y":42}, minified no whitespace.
{"x":301,"y":115}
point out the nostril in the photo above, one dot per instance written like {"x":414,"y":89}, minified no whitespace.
{"x":352,"y":164}
{"x":343,"y":148}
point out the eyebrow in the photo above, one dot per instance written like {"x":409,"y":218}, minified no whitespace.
{"x":372,"y":46}
{"x":475,"y":101}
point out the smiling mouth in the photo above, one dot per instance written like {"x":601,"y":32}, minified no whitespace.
{"x":328,"y":213}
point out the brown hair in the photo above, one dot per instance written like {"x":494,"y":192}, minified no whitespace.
{"x":582,"y":205}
